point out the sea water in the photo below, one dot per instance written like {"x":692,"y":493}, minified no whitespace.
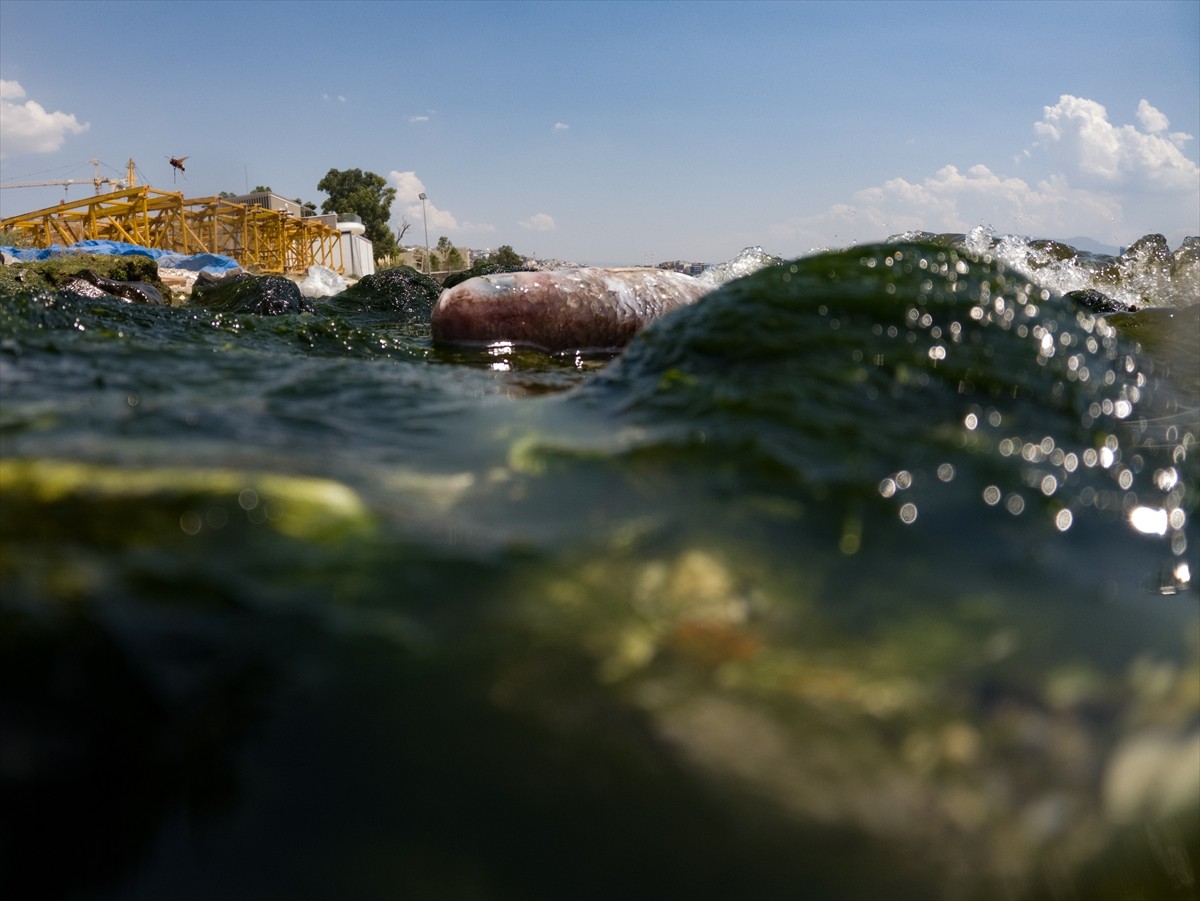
{"x":871,"y":574}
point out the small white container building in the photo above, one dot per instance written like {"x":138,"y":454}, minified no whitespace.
{"x":358,"y":256}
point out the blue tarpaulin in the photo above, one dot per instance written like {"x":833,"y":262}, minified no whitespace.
{"x":197,"y":262}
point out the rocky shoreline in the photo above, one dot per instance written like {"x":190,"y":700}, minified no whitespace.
{"x":174,"y":285}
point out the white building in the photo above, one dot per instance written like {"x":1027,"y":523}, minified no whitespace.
{"x":358,"y":253}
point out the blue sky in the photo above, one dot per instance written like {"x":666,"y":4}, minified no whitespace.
{"x":629,"y":133}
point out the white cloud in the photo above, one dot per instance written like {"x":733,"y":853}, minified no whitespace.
{"x":561,"y":126}
{"x":538,"y":222}
{"x":408,"y":186}
{"x":1152,"y":120}
{"x":1076,"y":134}
{"x":28,"y":128}
{"x":341,"y":98}
{"x":1084,"y":176}
{"x":408,"y":205}
{"x":418,"y":118}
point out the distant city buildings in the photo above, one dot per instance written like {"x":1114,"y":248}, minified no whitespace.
{"x":684,"y":266}
{"x":414,"y":255}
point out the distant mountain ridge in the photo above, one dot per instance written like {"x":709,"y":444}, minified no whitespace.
{"x":1091,"y":245}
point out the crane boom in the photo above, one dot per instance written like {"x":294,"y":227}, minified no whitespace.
{"x":42,"y":184}
{"x":96,"y":180}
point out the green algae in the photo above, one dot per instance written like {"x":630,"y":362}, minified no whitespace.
{"x":55,"y":272}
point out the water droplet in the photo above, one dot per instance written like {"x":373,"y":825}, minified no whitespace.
{"x":1149,"y":520}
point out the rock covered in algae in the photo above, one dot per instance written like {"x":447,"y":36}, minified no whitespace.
{"x":923,"y":380}
{"x":132,"y":277}
{"x":264,"y":295}
{"x":401,"y":290}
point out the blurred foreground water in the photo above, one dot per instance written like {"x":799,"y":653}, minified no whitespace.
{"x":871,"y":574}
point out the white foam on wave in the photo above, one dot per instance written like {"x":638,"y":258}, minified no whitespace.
{"x":1147,"y":274}
{"x":749,"y":261}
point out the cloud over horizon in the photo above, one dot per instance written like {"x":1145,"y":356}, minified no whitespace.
{"x":408,"y":205}
{"x":27,"y":127}
{"x":1086,"y":177}
{"x":538,"y":222}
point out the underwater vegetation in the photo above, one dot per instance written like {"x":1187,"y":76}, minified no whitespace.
{"x":868,"y":574}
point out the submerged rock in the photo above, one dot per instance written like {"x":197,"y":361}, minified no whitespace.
{"x":265,"y":295}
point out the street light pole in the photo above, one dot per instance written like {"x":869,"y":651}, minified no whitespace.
{"x":426,"y":222}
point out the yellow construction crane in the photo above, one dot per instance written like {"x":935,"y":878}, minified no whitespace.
{"x":271,"y":240}
{"x":96,"y":180}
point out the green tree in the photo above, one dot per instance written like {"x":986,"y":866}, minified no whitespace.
{"x":505,"y":256}
{"x":450,"y":255}
{"x":367,"y":196}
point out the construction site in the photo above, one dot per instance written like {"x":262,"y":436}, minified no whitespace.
{"x":262,"y":231}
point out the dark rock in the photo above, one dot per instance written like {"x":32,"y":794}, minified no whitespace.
{"x":401,"y":290}
{"x":1149,"y":248}
{"x":1186,"y":257}
{"x":1098,"y":302}
{"x":480,"y":268}
{"x":265,"y":295}
{"x":133,"y":292}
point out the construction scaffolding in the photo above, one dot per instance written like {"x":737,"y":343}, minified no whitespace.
{"x":258,"y":238}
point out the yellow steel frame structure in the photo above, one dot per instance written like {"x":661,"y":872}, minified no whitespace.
{"x":268,"y":240}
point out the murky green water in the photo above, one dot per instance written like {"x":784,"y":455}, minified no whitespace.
{"x":870,"y":575}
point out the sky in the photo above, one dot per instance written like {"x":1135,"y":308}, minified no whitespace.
{"x":615,"y":133}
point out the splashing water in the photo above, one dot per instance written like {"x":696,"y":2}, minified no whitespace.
{"x":1146,"y":274}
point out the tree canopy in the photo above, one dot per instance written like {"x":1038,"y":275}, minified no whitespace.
{"x":451,"y":256}
{"x":505,"y":256}
{"x":367,"y":196}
